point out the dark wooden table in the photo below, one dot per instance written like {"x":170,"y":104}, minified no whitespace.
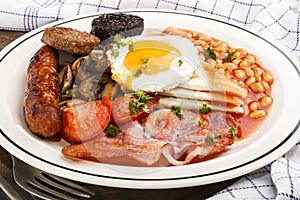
{"x":109,"y":193}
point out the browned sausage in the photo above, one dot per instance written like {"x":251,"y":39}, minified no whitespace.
{"x":41,"y":108}
{"x":70,"y":40}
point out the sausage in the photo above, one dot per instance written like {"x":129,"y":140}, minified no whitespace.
{"x":70,"y":40}
{"x":42,"y":90}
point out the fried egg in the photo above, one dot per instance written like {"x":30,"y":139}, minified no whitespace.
{"x":153,"y":63}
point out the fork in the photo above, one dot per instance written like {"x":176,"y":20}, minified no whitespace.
{"x":46,"y":186}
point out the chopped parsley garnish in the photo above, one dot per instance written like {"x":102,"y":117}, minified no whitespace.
{"x":180,"y":62}
{"x":145,"y":60}
{"x":115,"y":53}
{"x":230,"y":55}
{"x":130,"y":45}
{"x":200,"y":122}
{"x":138,"y":73}
{"x":177,"y":110}
{"x":69,"y":93}
{"x":232,"y":131}
{"x":219,"y":135}
{"x":210,"y":53}
{"x":112,"y":131}
{"x":132,"y":109}
{"x":142,"y":96}
{"x":139,"y":102}
{"x":118,"y":41}
{"x":204,"y":109}
{"x":210,"y":139}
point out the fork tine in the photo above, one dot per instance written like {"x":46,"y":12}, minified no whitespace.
{"x":46,"y":179}
{"x":47,"y":192}
{"x":69,"y":183}
{"x":46,"y":186}
{"x":29,"y":187}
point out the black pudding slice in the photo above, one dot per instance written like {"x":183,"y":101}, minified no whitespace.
{"x":108,"y":25}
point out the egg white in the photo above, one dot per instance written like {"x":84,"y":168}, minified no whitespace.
{"x":163,"y":80}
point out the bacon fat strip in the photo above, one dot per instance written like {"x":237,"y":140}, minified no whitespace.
{"x":42,"y":89}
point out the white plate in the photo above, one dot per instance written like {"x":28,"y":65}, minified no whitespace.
{"x":276,"y":136}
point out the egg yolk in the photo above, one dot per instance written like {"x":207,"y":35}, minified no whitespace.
{"x":150,"y":57}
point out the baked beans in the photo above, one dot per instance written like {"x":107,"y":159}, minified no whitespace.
{"x":266,"y":101}
{"x":257,"y":114}
{"x":243,"y":68}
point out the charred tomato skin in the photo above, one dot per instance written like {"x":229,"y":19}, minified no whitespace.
{"x":85,"y":121}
